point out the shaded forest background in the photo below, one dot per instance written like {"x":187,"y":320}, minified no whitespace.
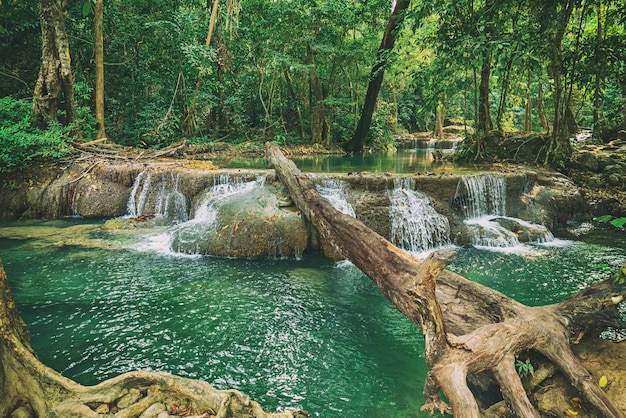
{"x":297,"y":71}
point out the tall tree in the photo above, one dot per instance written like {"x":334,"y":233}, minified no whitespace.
{"x":99,"y":52}
{"x":484,"y":115}
{"x":554,"y":17}
{"x":376,"y":76}
{"x":54,"y":89}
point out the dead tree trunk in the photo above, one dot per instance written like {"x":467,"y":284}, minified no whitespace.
{"x":468,"y":328}
{"x":29,"y":388}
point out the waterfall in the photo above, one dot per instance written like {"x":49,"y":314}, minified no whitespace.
{"x":158,"y":196}
{"x":136,"y":202}
{"x":482,"y":199}
{"x":170,"y":201}
{"x":415,"y":224}
{"x":189,"y":234}
{"x":481,"y":195}
{"x":335,"y":192}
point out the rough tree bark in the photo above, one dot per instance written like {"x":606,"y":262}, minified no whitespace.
{"x":30,"y":389}
{"x":319,"y":127}
{"x":99,"y":52}
{"x":55,"y":83}
{"x":468,"y":328}
{"x":376,"y":76}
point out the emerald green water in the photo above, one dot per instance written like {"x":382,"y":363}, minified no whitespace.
{"x":401,"y":161}
{"x":308,"y":333}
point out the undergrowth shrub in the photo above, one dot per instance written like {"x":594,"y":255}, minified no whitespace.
{"x":20,"y":143}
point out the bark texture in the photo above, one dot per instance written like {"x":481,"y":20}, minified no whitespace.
{"x":54,"y":89}
{"x":468,"y":328}
{"x":376,"y":76}
{"x":29,"y":388}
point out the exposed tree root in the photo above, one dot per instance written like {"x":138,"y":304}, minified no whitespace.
{"x":28,"y":388}
{"x":468,"y":328}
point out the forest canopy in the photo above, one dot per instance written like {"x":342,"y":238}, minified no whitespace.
{"x":297,"y":71}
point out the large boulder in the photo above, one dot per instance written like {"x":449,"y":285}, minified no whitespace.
{"x":254,"y":223}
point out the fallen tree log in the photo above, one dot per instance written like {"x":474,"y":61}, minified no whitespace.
{"x":28,"y":388}
{"x":468,"y":328}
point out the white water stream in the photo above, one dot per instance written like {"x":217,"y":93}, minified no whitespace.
{"x":415,"y":224}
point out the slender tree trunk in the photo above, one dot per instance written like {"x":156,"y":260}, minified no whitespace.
{"x":484,"y":116}
{"x":528,"y":116}
{"x":438,"y":133}
{"x":545,"y":126}
{"x":189,"y":122}
{"x":54,"y":89}
{"x":296,"y":101}
{"x":99,"y":52}
{"x":376,"y":76}
{"x":598,"y":115}
{"x":319,"y":128}
{"x":559,"y":145}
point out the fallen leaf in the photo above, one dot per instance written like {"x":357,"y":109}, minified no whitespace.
{"x":603,"y":381}
{"x":571,"y":413}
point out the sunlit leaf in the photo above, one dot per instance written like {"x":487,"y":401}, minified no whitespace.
{"x":603,"y":381}
{"x":619,"y":222}
{"x":604,"y":218}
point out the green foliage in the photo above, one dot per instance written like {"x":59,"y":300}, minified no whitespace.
{"x":619,"y":276}
{"x":21,"y":143}
{"x":611,"y":220}
{"x":524,"y":368}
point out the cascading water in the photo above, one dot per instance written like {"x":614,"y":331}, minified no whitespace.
{"x":170,"y":201}
{"x":158,"y":196}
{"x":482,"y":195}
{"x":415,"y":224}
{"x":136,"y":201}
{"x":335,"y":192}
{"x":184,"y":237}
{"x":482,"y":199}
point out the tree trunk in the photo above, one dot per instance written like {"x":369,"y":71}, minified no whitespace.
{"x":599,"y":123}
{"x":540,"y":109}
{"x":559,"y":146}
{"x":54,"y":89}
{"x":296,"y":102}
{"x":319,"y":127}
{"x":528,"y":116}
{"x":189,"y":122}
{"x":99,"y":52}
{"x":376,"y":76}
{"x":468,"y":328}
{"x":484,"y":116}
{"x":438,"y":133}
{"x":29,"y":388}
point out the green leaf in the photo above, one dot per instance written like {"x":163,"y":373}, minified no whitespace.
{"x":618,"y":222}
{"x":87,"y":8}
{"x":604,"y":218}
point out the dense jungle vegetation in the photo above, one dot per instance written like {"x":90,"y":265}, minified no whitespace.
{"x":307,"y":71}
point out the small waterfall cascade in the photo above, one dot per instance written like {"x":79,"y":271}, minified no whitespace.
{"x":72,"y":198}
{"x":415,"y":224}
{"x":335,"y":191}
{"x":223,"y":187}
{"x":188,"y":234}
{"x":157,"y":195}
{"x":481,"y":195}
{"x":482,"y":199}
{"x":170,"y":201}
{"x":137,"y":199}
